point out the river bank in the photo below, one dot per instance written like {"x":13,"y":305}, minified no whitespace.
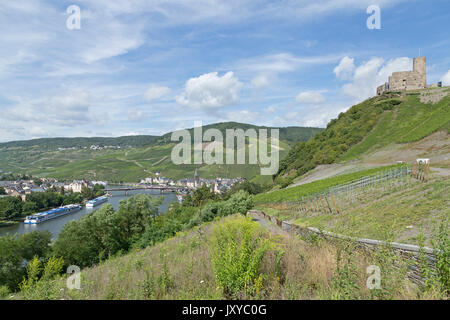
{"x":54,"y":226}
{"x":9,"y":223}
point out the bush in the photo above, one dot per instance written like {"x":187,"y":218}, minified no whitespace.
{"x":241,"y":202}
{"x":4,"y":292}
{"x":15,"y":250}
{"x":248,"y":186}
{"x":211,"y":210}
{"x":40,"y":283}
{"x":106,"y":232}
{"x":441,"y":244}
{"x":238,"y":247}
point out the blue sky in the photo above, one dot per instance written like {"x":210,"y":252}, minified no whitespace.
{"x":150,"y":67}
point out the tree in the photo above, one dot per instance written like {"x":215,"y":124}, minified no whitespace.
{"x":106,"y":232}
{"x":29,"y":207}
{"x":187,"y":201}
{"x":76,"y":243}
{"x":137,"y":212}
{"x":16,"y":251}
{"x":200,"y":195}
{"x":2,"y":191}
{"x":87,"y":193}
{"x":250,"y":187}
{"x":10,"y":207}
{"x":241,"y":202}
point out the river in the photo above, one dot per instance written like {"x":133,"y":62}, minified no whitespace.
{"x":56,"y":225}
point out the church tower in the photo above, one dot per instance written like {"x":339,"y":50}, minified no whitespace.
{"x":196,"y":179}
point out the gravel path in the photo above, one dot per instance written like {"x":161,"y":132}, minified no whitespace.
{"x":268,"y":225}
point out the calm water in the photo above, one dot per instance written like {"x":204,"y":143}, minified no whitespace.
{"x":56,"y":225}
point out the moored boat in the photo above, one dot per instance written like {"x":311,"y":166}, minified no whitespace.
{"x":52,"y":214}
{"x":95,"y":202}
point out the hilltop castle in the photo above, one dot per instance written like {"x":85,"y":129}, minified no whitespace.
{"x":408,"y":80}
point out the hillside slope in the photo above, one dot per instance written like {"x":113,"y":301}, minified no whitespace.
{"x":138,"y":157}
{"x":392,"y":120}
{"x":185,"y":267}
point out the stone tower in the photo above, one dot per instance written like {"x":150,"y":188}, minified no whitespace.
{"x":420,"y":66}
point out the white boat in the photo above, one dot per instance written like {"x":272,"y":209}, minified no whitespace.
{"x":95,"y":202}
{"x":52,"y":214}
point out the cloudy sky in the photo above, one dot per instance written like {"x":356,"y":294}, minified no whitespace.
{"x":153,"y":66}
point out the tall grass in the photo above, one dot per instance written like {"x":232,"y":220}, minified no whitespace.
{"x":235,"y":258}
{"x":238,"y":247}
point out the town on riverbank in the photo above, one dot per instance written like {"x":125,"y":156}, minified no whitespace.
{"x":22,"y":195}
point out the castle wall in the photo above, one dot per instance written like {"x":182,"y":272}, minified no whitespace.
{"x":407,"y":80}
{"x":381,"y":89}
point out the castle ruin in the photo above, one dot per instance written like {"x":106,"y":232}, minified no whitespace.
{"x":408,"y":80}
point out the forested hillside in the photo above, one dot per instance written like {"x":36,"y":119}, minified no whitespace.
{"x":372,"y":124}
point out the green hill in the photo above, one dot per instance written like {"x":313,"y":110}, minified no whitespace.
{"x":138,"y":157}
{"x":394,"y":117}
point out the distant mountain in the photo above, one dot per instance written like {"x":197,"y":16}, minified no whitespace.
{"x":55,"y":143}
{"x":288,"y":134}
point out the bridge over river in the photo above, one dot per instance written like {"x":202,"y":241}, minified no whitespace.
{"x":162,"y":189}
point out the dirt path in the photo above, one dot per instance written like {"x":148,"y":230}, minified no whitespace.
{"x":324,"y":171}
{"x":268,"y":225}
{"x":443,"y":172}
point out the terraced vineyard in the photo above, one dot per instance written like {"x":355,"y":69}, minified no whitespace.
{"x":131,"y":163}
{"x":393,"y":118}
{"x":296,"y":193}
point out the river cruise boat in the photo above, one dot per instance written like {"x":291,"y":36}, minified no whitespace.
{"x":52,"y":214}
{"x":95,"y":202}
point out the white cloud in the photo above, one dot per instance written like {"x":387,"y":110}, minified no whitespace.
{"x":242,"y":116}
{"x":135,"y":115}
{"x":71,"y":99}
{"x":156,"y":92}
{"x":446,"y":79}
{"x":131,"y":134}
{"x":176,"y":12}
{"x":210,"y":91}
{"x":281,"y":62}
{"x":68,"y":109}
{"x":37,"y":132}
{"x":260,"y":81}
{"x":345,"y":68}
{"x":270,"y":109}
{"x":310,"y":97}
{"x":108,"y":46}
{"x":320,"y":116}
{"x":370,"y":74}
